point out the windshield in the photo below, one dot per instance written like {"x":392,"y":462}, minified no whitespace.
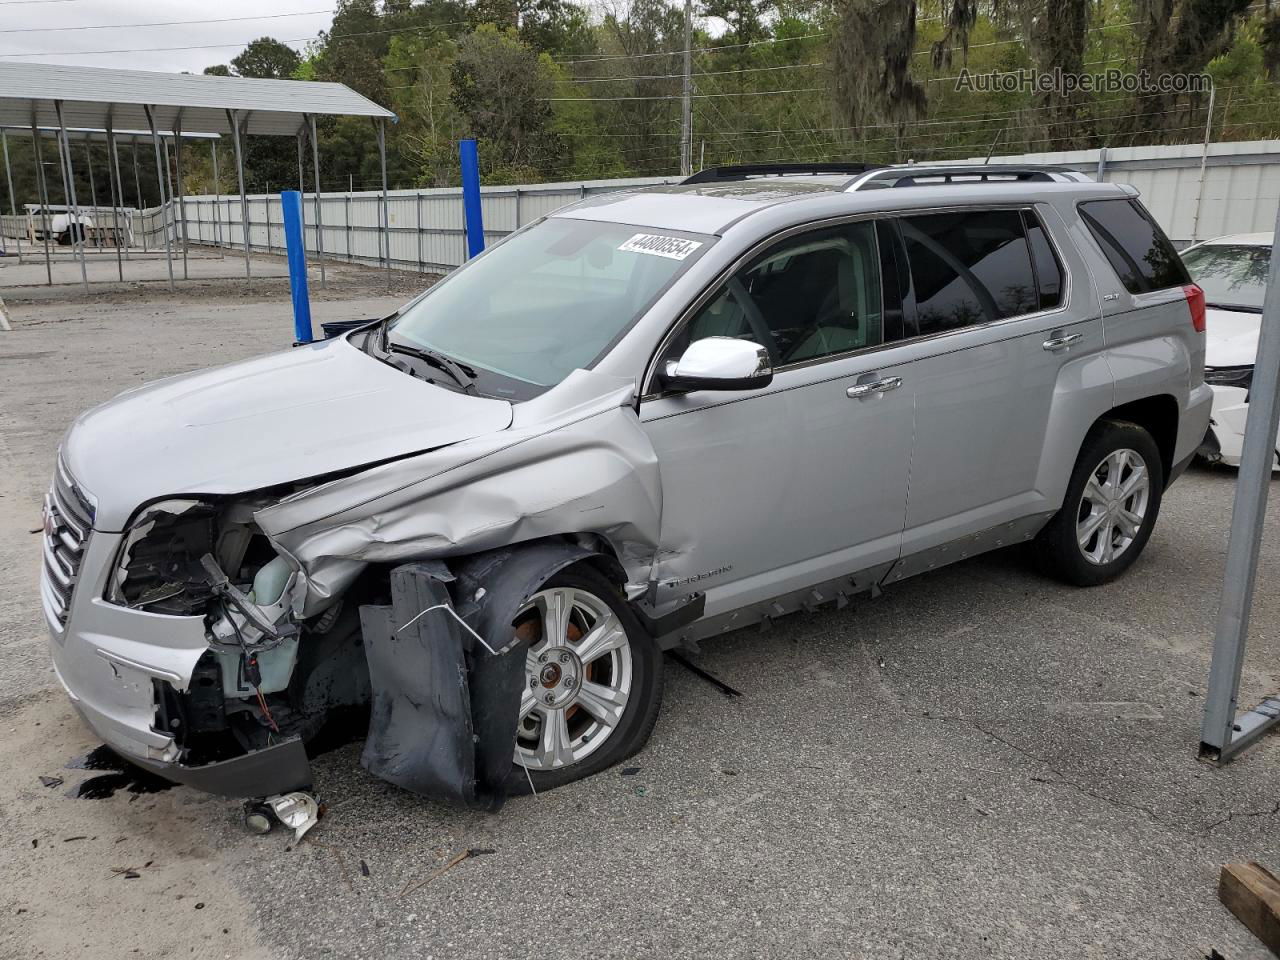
{"x":1231,"y":276}
{"x":547,"y":301}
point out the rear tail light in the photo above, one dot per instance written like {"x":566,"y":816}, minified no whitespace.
{"x":1195,"y":300}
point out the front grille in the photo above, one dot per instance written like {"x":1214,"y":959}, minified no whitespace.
{"x":68,"y":520}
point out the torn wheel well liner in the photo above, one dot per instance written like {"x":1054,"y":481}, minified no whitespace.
{"x":445,"y":705}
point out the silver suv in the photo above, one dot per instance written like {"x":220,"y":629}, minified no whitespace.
{"x":649,"y":418}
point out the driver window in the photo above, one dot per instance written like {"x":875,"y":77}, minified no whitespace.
{"x":809,"y":297}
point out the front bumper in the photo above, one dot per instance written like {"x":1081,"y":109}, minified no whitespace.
{"x":1227,"y":420}
{"x":108,"y":659}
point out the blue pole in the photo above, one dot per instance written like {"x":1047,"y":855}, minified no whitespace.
{"x":291,"y":201}
{"x":471,"y":196}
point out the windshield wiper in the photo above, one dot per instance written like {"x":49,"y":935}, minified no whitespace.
{"x":1235,"y":307}
{"x":461,"y":375}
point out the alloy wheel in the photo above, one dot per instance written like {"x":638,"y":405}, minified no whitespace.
{"x":1113,"y":506}
{"x":578,"y":675}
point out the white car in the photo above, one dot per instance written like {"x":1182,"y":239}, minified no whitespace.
{"x":1232,"y":271}
{"x":62,"y":228}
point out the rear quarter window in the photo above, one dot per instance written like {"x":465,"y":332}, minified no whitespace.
{"x":969,"y":267}
{"x":1137,"y":249}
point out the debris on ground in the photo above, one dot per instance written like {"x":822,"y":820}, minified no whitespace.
{"x":697,"y":671}
{"x":456,"y":859}
{"x":297,"y":811}
{"x":630,"y":771}
{"x":1252,"y":893}
{"x":51,"y":781}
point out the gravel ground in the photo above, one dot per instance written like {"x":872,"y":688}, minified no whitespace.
{"x":980,"y":763}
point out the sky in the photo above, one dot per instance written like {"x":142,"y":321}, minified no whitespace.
{"x":67,"y":29}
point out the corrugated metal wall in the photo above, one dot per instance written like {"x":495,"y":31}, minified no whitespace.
{"x":1241,"y":183}
{"x":425,"y":227}
{"x":1240,"y":194}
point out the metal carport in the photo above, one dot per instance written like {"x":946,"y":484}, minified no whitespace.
{"x":115,"y":185}
{"x":49,"y":95}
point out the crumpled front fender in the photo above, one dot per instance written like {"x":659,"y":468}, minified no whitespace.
{"x":575,"y":460}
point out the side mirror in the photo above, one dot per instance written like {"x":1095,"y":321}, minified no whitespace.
{"x":720,"y":363}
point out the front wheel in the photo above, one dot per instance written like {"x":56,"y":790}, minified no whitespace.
{"x":593,"y":682}
{"x":1110,"y":508}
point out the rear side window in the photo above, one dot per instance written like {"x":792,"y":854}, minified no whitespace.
{"x":969,"y":267}
{"x":1139,"y":252}
{"x":1045,"y":261}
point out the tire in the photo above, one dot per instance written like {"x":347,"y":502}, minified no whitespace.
{"x":1093,"y":538}
{"x":638,"y":661}
{"x":64,"y":238}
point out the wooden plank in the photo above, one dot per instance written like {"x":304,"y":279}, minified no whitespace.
{"x":1252,"y":893}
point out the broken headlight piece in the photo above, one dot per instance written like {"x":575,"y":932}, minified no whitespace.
{"x":158,"y":568}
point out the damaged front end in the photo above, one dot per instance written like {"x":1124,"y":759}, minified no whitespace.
{"x":267,"y":680}
{"x":385,"y":598}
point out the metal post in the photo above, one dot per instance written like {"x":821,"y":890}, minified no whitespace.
{"x":13,"y":198}
{"x":1102,"y":164}
{"x":78,"y":233}
{"x":182,"y":193}
{"x":315,"y":161}
{"x":385,"y":213}
{"x":295,"y":242}
{"x":1224,"y":734}
{"x":115,"y":198}
{"x":217,"y":200}
{"x":1204,"y":162}
{"x":468,"y":158}
{"x":137,"y":184}
{"x":93,"y":187}
{"x":171,"y":216}
{"x":233,"y":117}
{"x":161,"y":177}
{"x":422,"y":264}
{"x":302,"y":183}
{"x":686,"y":97}
{"x":43,"y":187}
{"x":114,"y":150}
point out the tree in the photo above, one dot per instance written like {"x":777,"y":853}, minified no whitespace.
{"x":266,"y":59}
{"x":351,"y":51}
{"x":1059,"y":36}
{"x":1179,"y":37}
{"x":501,"y":90}
{"x":647,"y":34}
{"x":871,"y":63}
{"x":217,"y":70}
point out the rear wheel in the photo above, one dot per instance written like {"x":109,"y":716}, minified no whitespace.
{"x":1110,"y":508}
{"x":593,"y":681}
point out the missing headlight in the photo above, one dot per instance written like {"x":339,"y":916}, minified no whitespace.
{"x":158,"y":568}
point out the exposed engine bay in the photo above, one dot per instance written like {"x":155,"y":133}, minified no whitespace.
{"x":267,"y":675}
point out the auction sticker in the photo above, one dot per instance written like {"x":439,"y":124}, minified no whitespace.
{"x":673,"y":248}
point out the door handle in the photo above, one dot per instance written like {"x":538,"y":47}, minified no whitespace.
{"x":1060,"y":343}
{"x":860,"y":391}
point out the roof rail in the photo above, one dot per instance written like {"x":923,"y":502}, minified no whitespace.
{"x":921,"y":175}
{"x":745,"y":171}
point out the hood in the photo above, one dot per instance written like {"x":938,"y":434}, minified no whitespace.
{"x":270,"y":420}
{"x":1231,"y":337}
